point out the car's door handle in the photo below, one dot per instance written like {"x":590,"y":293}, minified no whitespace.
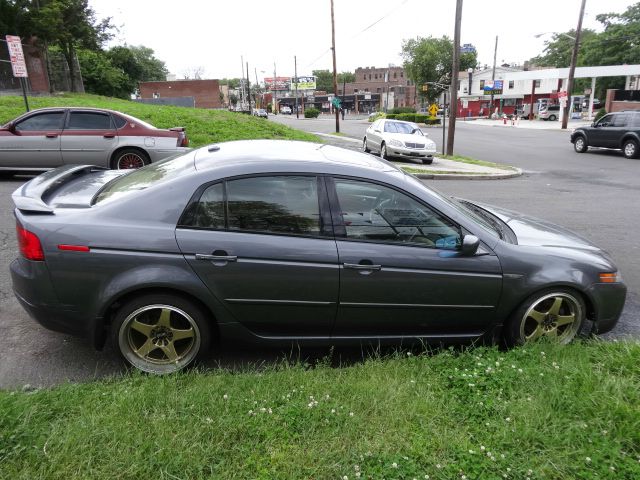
{"x":109,"y":135}
{"x":361,"y":266}
{"x":51,"y":135}
{"x":216,"y":258}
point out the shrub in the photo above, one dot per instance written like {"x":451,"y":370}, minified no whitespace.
{"x":391,"y":116}
{"x":601,"y":113}
{"x":432,"y":121}
{"x":403,"y":110}
{"x":407,"y":117}
{"x":311,"y":113}
{"x":377,"y":116}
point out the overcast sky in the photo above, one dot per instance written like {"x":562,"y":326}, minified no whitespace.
{"x":214,"y":34}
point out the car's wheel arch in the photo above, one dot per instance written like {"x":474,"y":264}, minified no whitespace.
{"x":126,"y":147}
{"x":630,"y":136}
{"x":111,"y":307}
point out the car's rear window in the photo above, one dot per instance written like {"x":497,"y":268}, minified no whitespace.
{"x":145,"y":177}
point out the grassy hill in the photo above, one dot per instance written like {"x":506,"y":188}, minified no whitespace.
{"x":203,"y":126}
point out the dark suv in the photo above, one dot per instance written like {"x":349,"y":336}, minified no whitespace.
{"x":620,"y":130}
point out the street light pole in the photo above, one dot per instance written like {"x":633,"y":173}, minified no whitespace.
{"x":295,"y":73}
{"x":572,"y":68}
{"x":453,"y":103}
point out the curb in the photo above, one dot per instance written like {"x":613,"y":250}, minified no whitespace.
{"x":462,"y":176}
{"x":337,"y":137}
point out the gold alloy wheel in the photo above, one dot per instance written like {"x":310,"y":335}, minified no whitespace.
{"x":556,"y":316}
{"x":159,"y":338}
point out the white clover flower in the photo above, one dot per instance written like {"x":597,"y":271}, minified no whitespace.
{"x":225,"y":397}
{"x":541,"y":374}
{"x":529,"y":472}
{"x":351,"y":414}
{"x":356,"y":468}
{"x":438,"y":466}
{"x":519,"y":370}
{"x":471,"y":452}
{"x":357,"y":474}
{"x":508,"y":419}
{"x":502,"y":455}
{"x":587,"y":459}
{"x":463,"y":477}
{"x":426,"y":477}
{"x":612,"y":468}
{"x":345,"y":478}
{"x":333,"y":410}
{"x":508,"y":469}
{"x":326,"y":397}
{"x":270,"y":411}
{"x":394,"y":465}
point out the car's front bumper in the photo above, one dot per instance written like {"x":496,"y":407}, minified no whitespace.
{"x":405,"y":152}
{"x":608,"y":300}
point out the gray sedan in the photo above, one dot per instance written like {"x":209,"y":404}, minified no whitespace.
{"x":278,"y":242}
{"x":400,"y":139}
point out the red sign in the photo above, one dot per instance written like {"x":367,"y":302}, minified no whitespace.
{"x":277,"y":83}
{"x":17,"y":57}
{"x":562,"y":94}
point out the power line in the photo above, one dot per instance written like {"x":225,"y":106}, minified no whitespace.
{"x":380,"y":19}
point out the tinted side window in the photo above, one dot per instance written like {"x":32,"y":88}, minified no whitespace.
{"x":279,"y":204}
{"x":42,"y":121}
{"x":119,"y":121}
{"x":378,"y":213}
{"x":635,"y":120}
{"x":89,"y":121}
{"x":620,"y":120}
{"x":606,"y":121}
{"x":208,"y":212}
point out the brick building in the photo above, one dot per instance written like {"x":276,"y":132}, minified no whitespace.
{"x":205,"y":93}
{"x":402,"y":91}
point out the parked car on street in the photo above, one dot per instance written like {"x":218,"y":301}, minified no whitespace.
{"x":285,"y":110}
{"x":50,"y":137}
{"x":620,"y":130}
{"x":260,"y":112}
{"x":274,"y":242}
{"x":549,"y":112}
{"x":395,"y":138}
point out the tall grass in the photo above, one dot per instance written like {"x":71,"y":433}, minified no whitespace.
{"x":540,"y":412}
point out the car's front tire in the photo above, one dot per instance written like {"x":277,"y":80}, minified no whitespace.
{"x":161,"y":333}
{"x":553,"y":118}
{"x":129,"y":158}
{"x":365,"y":147}
{"x":580,"y":144}
{"x":383,"y":151}
{"x":630,"y":149}
{"x":427,"y":161}
{"x":556,"y":314}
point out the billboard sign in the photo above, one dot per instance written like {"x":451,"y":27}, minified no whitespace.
{"x":277,"y":83}
{"x":493,"y":87}
{"x":17,"y":56}
{"x":304,"y":83}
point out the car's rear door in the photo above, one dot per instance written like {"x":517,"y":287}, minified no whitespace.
{"x":89,"y":137}
{"x":265,"y":249}
{"x":34,"y":141}
{"x":400,"y":272}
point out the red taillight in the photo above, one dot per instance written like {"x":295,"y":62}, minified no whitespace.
{"x":29,"y":243}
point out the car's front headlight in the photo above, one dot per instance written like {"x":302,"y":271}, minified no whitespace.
{"x":396,"y":143}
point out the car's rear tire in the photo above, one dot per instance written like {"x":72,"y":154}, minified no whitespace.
{"x":553,"y":118}
{"x":630,"y":149}
{"x":161,"y":333}
{"x":555,"y":313}
{"x":383,"y":151}
{"x":129,"y":158}
{"x":580,"y":144}
{"x":365,"y":148}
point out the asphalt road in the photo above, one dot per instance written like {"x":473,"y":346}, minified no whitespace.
{"x":594,"y":194}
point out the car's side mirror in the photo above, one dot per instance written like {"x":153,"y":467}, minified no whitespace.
{"x":470,"y":245}
{"x":9,"y":127}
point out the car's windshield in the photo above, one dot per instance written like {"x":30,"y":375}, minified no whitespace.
{"x":144,"y":177}
{"x":399,"y":127}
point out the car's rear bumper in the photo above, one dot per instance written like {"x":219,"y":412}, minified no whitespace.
{"x":33,"y":289}
{"x":608,"y":299}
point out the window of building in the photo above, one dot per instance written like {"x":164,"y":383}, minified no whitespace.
{"x":373,"y":212}
{"x":401,"y":74}
{"x":375,"y":76}
{"x":511,"y":84}
{"x":355,"y":90}
{"x":395,"y":75}
{"x":378,"y":90}
{"x":537,"y":83}
{"x":366,"y":90}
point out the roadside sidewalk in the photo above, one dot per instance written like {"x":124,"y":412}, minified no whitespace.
{"x":528,"y":124}
{"x":441,"y":168}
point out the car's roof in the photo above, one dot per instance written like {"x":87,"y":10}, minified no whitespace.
{"x":90,"y":109}
{"x":398,"y":121}
{"x":295,"y":155}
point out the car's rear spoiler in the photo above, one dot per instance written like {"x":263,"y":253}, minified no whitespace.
{"x":30,"y":196}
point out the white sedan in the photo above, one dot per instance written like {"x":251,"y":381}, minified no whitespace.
{"x":396,"y":138}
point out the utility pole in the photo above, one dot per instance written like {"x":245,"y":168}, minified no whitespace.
{"x":335,"y":73}
{"x":274,"y":107}
{"x":248,"y":88}
{"x":493,"y":75}
{"x":295,"y":73}
{"x":455,"y":68}
{"x":242,"y":97}
{"x":572,"y":68}
{"x":258,"y":90}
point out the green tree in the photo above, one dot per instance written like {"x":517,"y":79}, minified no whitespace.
{"x":138,"y":64}
{"x":70,"y":24}
{"x":324,"y":80}
{"x":346,"y":77}
{"x":101,"y":77}
{"x":429,"y":60}
{"x":557,"y":50}
{"x":232,"y":82}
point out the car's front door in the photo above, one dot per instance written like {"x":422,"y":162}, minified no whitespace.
{"x":374,"y":135}
{"x":33,"y":142}
{"x":400,"y":271}
{"x":602,"y":134}
{"x":265,"y":250}
{"x":89,"y":137}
